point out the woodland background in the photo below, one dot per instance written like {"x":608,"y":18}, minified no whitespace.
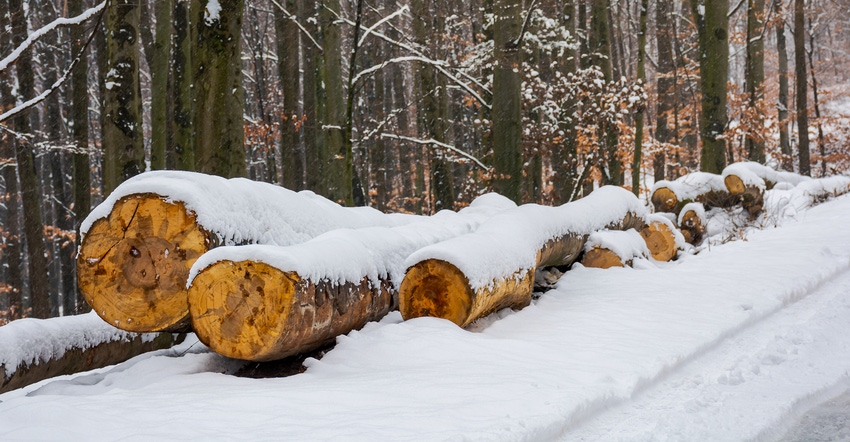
{"x":408,"y":105}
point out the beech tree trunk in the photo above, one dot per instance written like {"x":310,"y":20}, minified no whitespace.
{"x":641,"y":75}
{"x":782,"y":105}
{"x":665,"y":83}
{"x":123,"y":140}
{"x":600,"y":55}
{"x":288,"y":66}
{"x":160,"y":103}
{"x":712,"y":28}
{"x":217,"y":63}
{"x":29,"y":185}
{"x":802,"y":87}
{"x":507,"y":103}
{"x":182,"y":72}
{"x":754,"y":76}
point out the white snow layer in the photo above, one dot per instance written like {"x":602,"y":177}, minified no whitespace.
{"x":688,"y":187}
{"x":28,"y":341}
{"x":756,"y":174}
{"x":352,"y":254}
{"x":241,"y":211}
{"x":731,"y":344}
{"x":509,"y":241}
{"x":626,"y":244}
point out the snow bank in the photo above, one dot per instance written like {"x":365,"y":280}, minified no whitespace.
{"x":241,"y":211}
{"x":349,"y":255}
{"x":28,"y":341}
{"x":626,"y":244}
{"x":508,"y":243}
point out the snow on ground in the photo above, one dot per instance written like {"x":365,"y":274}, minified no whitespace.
{"x":737,"y":342}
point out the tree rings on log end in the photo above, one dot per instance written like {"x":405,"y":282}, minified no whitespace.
{"x":734,"y":184}
{"x":438,"y":289}
{"x":133,"y":264}
{"x":660,"y":241}
{"x":239,"y":309}
{"x":601,"y":258}
{"x":664,"y":200}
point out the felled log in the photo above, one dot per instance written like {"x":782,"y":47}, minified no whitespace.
{"x":745,"y":184}
{"x":263,"y":303}
{"x":661,"y":237}
{"x":470,"y":276}
{"x":746,"y":170}
{"x":692,"y":223}
{"x":606,"y":249}
{"x":706,"y":188}
{"x":68,"y":345}
{"x":788,"y":201}
{"x":139,"y":244}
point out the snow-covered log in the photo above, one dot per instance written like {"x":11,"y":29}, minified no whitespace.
{"x":262,"y":303}
{"x":693,"y":223}
{"x":703,"y":187}
{"x":662,"y":238}
{"x":470,"y":276}
{"x":789,"y":201}
{"x":755,"y":174}
{"x":139,"y":244}
{"x":613,"y":248}
{"x":32,"y":350}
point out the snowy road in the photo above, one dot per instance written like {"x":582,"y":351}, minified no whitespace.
{"x":735,"y":343}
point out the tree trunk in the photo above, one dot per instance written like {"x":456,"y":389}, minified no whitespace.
{"x":287,"y":55}
{"x":160,"y":109}
{"x":30,"y":189}
{"x":754,"y":77}
{"x":821,"y":142}
{"x":802,"y":86}
{"x":600,"y":55}
{"x":712,"y":29}
{"x":782,"y":106}
{"x":507,"y":100}
{"x":218,"y":109}
{"x":641,"y":74}
{"x":12,"y":262}
{"x":565,"y":153}
{"x":122,"y":132}
{"x":665,"y":83}
{"x":313,"y":159}
{"x":337,"y":180}
{"x":182,"y":72}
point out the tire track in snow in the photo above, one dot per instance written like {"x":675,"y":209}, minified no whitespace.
{"x":763,"y":376}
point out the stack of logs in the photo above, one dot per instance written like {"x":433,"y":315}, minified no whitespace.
{"x":151,"y":265}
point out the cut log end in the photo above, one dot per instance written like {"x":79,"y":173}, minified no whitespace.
{"x":601,"y":258}
{"x":664,"y":200}
{"x":133,"y":264}
{"x":693,"y":228}
{"x":734,"y":184}
{"x":436,"y":288}
{"x":660,"y":241}
{"x":239,"y":309}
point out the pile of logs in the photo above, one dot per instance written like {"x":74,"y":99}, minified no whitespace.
{"x":264,"y":277}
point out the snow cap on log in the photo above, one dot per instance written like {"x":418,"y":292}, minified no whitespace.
{"x":297,"y":298}
{"x":467,"y":277}
{"x":624,"y":247}
{"x":807,"y":193}
{"x":139,"y":244}
{"x":767,"y":175}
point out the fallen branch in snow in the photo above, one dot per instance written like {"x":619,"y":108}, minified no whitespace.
{"x":703,"y":187}
{"x":263,"y":303}
{"x":470,"y":276}
{"x":439,"y":144}
{"x":32,"y":350}
{"x":137,"y":246}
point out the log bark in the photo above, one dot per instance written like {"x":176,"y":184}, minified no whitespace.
{"x":752,"y":197}
{"x":439,"y":288}
{"x":77,"y":359}
{"x":132,"y":265}
{"x":253,"y":311}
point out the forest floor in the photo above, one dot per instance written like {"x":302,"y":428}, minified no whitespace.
{"x":748,"y":339}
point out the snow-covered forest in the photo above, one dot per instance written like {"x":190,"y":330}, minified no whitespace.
{"x":486,"y":219}
{"x":405,"y":106}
